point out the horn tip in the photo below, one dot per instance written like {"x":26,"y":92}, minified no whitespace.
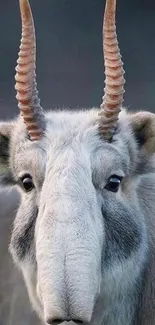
{"x":25,"y":9}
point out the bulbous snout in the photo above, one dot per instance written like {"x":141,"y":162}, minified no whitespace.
{"x":69,"y":241}
{"x":79,"y":314}
{"x":68,"y":282}
{"x":69,"y":294}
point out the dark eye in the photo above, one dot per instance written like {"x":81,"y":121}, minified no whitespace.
{"x":113,"y":183}
{"x":27,"y":182}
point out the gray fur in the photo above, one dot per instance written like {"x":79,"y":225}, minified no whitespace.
{"x":85,"y":252}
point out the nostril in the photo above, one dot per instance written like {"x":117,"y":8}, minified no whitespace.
{"x":52,"y":321}
{"x":77,"y":321}
{"x":58,"y":321}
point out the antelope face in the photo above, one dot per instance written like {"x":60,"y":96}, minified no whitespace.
{"x":58,"y":232}
{"x":75,"y":224}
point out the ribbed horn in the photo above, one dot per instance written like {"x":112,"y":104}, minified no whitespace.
{"x":114,"y":74}
{"x":26,"y":86}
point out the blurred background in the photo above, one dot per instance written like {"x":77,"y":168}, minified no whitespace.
{"x":69,"y":52}
{"x":70,"y":74}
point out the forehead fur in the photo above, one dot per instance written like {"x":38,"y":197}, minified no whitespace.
{"x":70,"y":129}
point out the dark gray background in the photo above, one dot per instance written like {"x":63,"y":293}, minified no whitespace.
{"x":69,"y":52}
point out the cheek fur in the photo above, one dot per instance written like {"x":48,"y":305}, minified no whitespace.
{"x":123,"y":234}
{"x":22,"y":239}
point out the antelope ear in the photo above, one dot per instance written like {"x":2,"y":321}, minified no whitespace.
{"x":6,"y":129}
{"x":143,"y":126}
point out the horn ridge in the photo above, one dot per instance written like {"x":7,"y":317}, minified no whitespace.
{"x":114,"y":74}
{"x":26,"y":86}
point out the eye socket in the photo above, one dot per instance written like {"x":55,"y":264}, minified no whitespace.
{"x":113,"y":183}
{"x":27,"y":182}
